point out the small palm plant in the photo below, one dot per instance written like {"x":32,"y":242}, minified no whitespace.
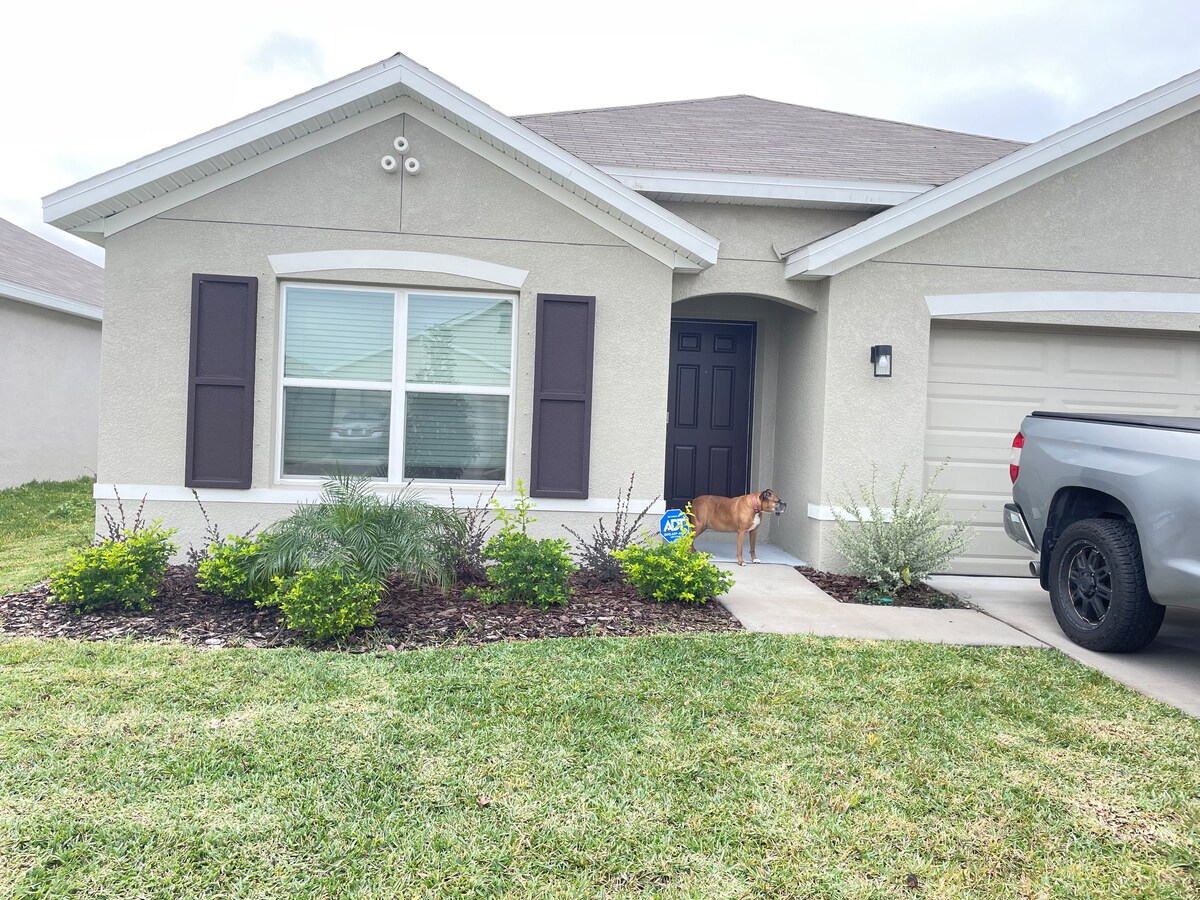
{"x":355,"y":533}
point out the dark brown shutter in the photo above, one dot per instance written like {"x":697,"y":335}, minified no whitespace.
{"x":562,"y":396}
{"x":220,"y":425}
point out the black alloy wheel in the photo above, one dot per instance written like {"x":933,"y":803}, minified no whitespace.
{"x":1098,"y":587}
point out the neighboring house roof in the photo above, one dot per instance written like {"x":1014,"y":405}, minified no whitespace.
{"x":33,"y":270}
{"x":176,"y":174}
{"x":744,"y":135}
{"x":995,"y":181}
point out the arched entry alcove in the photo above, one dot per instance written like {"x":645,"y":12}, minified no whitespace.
{"x":741,"y":368}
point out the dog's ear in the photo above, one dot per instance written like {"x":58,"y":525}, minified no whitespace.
{"x":765,"y":495}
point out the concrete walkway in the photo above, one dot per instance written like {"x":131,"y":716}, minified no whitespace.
{"x":778,"y":599}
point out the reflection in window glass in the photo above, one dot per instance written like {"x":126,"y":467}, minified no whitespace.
{"x":327,"y":431}
{"x":456,"y":436}
{"x":338,"y":334}
{"x":459,"y":340}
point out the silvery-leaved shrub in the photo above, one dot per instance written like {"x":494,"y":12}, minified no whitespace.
{"x":903,"y":545}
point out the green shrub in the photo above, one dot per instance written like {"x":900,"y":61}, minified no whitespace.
{"x":525,"y":570}
{"x":324,"y":603}
{"x":901,"y":547}
{"x":353,"y":531}
{"x":671,"y":571}
{"x":119,"y":571}
{"x":226,"y":569}
{"x":528,"y":571}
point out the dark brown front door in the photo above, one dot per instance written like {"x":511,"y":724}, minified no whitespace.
{"x":708,"y":410}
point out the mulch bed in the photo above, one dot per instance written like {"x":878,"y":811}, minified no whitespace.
{"x":407,"y":618}
{"x":848,"y":589}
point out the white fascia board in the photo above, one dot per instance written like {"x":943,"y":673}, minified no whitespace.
{"x":212,"y":143}
{"x":995,"y":181}
{"x":671,"y":230}
{"x":50,"y":301}
{"x":717,"y":185}
{"x":675,"y":230}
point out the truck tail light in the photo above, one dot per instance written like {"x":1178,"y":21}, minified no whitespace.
{"x":1014,"y":459}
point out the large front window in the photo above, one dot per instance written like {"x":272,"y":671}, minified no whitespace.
{"x":396,"y":384}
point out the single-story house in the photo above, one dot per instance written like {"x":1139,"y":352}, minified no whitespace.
{"x":387,"y":276}
{"x":50,"y":315}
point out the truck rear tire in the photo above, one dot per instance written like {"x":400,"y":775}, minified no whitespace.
{"x":1098,"y":587}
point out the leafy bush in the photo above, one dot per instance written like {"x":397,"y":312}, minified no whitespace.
{"x":596,"y":553}
{"x":226,"y":569}
{"x":901,"y":548}
{"x":324,"y":603}
{"x":123,"y":570}
{"x":362,"y":537}
{"x":671,"y":571}
{"x":528,"y":571}
{"x":525,"y":570}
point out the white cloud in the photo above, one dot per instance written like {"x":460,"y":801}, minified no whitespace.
{"x":119,"y":81}
{"x":283,"y":52}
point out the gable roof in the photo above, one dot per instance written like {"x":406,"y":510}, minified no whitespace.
{"x":745,"y":135}
{"x":33,"y":270}
{"x":995,"y":181}
{"x":218,"y":154}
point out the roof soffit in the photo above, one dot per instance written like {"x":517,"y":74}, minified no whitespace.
{"x":1006,"y":176}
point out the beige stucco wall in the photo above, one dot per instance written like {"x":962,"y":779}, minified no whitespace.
{"x":1125,"y":221}
{"x":338,"y":198}
{"x":49,"y":393}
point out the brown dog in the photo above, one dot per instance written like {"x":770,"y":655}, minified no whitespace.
{"x":741,"y":514}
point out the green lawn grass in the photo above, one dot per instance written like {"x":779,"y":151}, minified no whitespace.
{"x":708,"y":766}
{"x":40,"y":523}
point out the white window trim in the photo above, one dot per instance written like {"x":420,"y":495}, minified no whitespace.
{"x":399,"y":386}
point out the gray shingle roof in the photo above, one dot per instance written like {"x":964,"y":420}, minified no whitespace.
{"x":33,"y":262}
{"x":751,"y":136}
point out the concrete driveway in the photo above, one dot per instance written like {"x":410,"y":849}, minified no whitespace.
{"x":1168,"y":669}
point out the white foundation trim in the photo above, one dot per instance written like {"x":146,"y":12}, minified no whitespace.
{"x":834,"y":191}
{"x":34,"y":297}
{"x":825,"y":513}
{"x":1062,"y":301}
{"x":397,"y":260}
{"x":465,"y":496}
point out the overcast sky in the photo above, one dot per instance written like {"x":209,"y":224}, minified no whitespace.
{"x":88,"y":86}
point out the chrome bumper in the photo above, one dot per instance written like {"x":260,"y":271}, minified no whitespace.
{"x":1015,"y":527}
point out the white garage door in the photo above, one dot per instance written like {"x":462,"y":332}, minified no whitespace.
{"x":984,"y":380}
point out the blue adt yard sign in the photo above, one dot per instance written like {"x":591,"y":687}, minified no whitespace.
{"x":672,"y":525}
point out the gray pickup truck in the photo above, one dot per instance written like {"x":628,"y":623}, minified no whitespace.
{"x":1111,"y":505}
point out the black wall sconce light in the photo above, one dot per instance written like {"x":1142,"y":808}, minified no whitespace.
{"x":881,"y":360}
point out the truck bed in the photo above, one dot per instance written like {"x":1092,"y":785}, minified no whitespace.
{"x":1174,"y":423}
